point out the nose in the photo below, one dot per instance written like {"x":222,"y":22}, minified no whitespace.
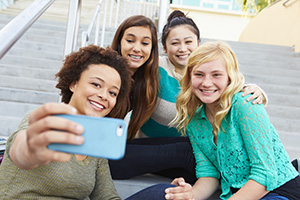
{"x":207,"y":81}
{"x":136,"y":47}
{"x":182,"y":48}
{"x":102,"y":95}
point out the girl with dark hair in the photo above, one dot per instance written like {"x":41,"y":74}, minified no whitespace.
{"x":93,"y":81}
{"x":136,"y":39}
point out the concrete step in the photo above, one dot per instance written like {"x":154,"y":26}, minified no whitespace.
{"x":283,"y":111}
{"x":34,"y":84}
{"x":31,"y":62}
{"x":259,"y":69}
{"x":245,"y":47}
{"x":40,"y":46}
{"x":27,"y":52}
{"x":14,"y":109}
{"x":27,"y":96}
{"x":283,"y":124}
{"x":39,"y":24}
{"x":284,"y":100}
{"x":29,"y":72}
{"x":284,"y":90}
{"x":8,"y":125}
{"x":291,"y":63}
{"x":288,"y":140}
{"x":264,"y":78}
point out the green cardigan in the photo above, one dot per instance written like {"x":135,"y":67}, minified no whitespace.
{"x":248,"y":147}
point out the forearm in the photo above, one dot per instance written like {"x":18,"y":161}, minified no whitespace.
{"x":250,"y":191}
{"x":19,"y":151}
{"x":205,"y":187}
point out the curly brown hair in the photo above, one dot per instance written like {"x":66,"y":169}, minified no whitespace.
{"x":145,"y":86}
{"x":77,"y":62}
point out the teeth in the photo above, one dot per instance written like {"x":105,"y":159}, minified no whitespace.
{"x":183,"y":56}
{"x":211,"y":91}
{"x":135,"y":57}
{"x":97,"y":105}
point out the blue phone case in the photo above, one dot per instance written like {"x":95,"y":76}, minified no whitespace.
{"x":104,"y":137}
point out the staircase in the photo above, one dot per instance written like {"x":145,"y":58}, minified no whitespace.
{"x":27,"y":80}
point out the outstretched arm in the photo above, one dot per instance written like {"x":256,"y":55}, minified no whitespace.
{"x":29,"y":148}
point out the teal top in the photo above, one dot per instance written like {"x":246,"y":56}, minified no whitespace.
{"x":165,"y":109}
{"x":248,"y":147}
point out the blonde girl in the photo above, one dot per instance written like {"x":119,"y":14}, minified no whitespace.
{"x":233,"y":141}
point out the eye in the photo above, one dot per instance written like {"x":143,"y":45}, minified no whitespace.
{"x":189,"y":42}
{"x":96,"y":85}
{"x":198,"y":74}
{"x":174,"y":43}
{"x":114,"y":94}
{"x":217,"y":74}
{"x":129,"y":41}
{"x":145,"y":43}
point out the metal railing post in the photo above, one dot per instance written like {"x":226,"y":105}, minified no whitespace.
{"x":72,"y":26}
{"x":10,"y":34}
{"x":164,"y":7}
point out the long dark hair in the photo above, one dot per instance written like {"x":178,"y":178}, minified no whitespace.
{"x":145,"y":86}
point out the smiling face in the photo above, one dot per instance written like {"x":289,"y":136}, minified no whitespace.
{"x":209,"y":80}
{"x":95,"y":94}
{"x":136,"y":45}
{"x":180,"y":43}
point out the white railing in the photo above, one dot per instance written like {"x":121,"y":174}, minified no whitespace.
{"x":123,"y":9}
{"x":11,"y":33}
{"x":5,"y":3}
{"x":110,"y":13}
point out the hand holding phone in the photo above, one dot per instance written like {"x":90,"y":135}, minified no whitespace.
{"x":104,"y":137}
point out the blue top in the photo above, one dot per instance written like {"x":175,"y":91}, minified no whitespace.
{"x":248,"y":147}
{"x":165,"y":109}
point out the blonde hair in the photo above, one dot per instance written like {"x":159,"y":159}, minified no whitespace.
{"x":187,"y":102}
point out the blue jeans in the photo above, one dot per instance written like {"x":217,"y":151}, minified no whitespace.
{"x":156,"y":192}
{"x":170,"y":157}
{"x":272,"y":196}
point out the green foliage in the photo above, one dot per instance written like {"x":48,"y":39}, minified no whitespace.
{"x":255,"y":6}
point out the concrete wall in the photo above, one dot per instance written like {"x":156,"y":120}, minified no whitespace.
{"x":276,"y":24}
{"x":216,"y":25}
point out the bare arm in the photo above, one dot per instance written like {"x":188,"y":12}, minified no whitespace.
{"x":29,"y":148}
{"x":203,"y":189}
{"x":250,"y":191}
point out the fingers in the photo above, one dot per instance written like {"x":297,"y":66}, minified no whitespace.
{"x":45,"y":128}
{"x":184,"y":192}
{"x":51,"y":109}
{"x":178,"y":181}
{"x":256,"y":96}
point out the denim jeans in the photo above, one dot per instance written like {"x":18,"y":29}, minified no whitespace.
{"x":170,"y":157}
{"x":156,"y":192}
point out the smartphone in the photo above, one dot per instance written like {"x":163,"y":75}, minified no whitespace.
{"x":104,"y":137}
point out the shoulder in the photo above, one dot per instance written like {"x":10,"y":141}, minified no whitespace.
{"x":241,"y":105}
{"x":165,"y":63}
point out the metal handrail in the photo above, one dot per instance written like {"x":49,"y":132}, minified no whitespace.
{"x":86,"y":34}
{"x":72,"y":26}
{"x":12,"y":32}
{"x":285,"y":4}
